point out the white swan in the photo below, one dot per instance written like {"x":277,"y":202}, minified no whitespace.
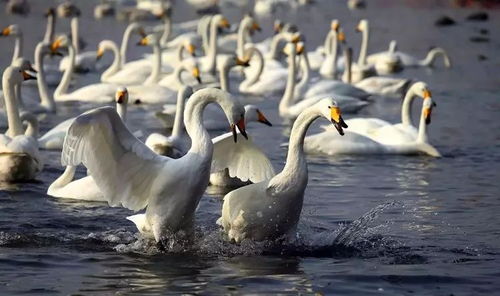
{"x":290,"y":111}
{"x":85,"y":188}
{"x":15,"y":31}
{"x":19,"y":156}
{"x":97,"y":92}
{"x":318,"y":56}
{"x":208,"y":63}
{"x":174,"y":81}
{"x":408,"y":60}
{"x":84,"y":61}
{"x":361,"y":69}
{"x":235,"y":43}
{"x":271,"y":209}
{"x":131,"y":175}
{"x":376,"y":136}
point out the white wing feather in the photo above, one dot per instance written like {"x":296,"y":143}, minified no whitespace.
{"x":123,"y":167}
{"x":243,"y":159}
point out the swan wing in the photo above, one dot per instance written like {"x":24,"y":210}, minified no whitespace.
{"x":123,"y":168}
{"x":243,"y":159}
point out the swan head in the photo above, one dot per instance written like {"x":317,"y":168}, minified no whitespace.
{"x":335,"y":25}
{"x":149,"y":40}
{"x":50,"y":12}
{"x":15,"y":75}
{"x":190,"y":46}
{"x":331,"y":111}
{"x":427,"y":109}
{"x":11,"y":30}
{"x":61,"y":41}
{"x":341,"y":37}
{"x":250,"y":23}
{"x":24,"y":65}
{"x":221,"y":21}
{"x":292,"y":49}
{"x":277,"y":26}
{"x":121,"y":96}
{"x":235,"y":112}
{"x":362,"y":26}
{"x":253,"y":114}
{"x":191,"y":66}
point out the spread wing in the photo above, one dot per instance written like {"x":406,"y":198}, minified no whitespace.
{"x":243,"y":159}
{"x":125,"y":169}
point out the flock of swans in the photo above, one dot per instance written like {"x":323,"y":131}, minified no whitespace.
{"x":186,"y":74}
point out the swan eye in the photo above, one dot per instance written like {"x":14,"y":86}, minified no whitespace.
{"x":329,"y":107}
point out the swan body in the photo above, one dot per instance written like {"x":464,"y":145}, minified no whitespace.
{"x":385,"y":86}
{"x":19,"y":157}
{"x":376,"y":136}
{"x":407,"y":60}
{"x":129,"y":174}
{"x":84,"y":188}
{"x":271,"y":209}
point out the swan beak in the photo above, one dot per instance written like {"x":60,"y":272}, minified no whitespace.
{"x":143,"y":42}
{"x":49,"y":12}
{"x":55,"y":45}
{"x":32,"y":70}
{"x":191,"y":49}
{"x":240,"y":62}
{"x":341,"y":36}
{"x":100,"y":53}
{"x":295,"y":38}
{"x":427,"y":94}
{"x":300,"y":49}
{"x":337,"y":120}
{"x":256,"y":27}
{"x":262,"y":119}
{"x":196,"y":74}
{"x":224,"y":23}
{"x":5,"y":32}
{"x":427,"y":115}
{"x":28,"y":76}
{"x":120,"y":97}
{"x":335,"y":26}
{"x":241,"y":128}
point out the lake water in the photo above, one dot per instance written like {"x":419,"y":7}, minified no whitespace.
{"x":370,"y":225}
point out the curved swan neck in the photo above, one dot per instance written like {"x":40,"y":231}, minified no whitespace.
{"x":75,"y":34}
{"x":296,"y":164}
{"x":49,"y":32}
{"x":179,"y":52}
{"x":18,"y":47}
{"x":154,"y":77}
{"x":287,"y":98}
{"x":179,"y":111}
{"x":422,"y":128}
{"x":62,"y":88}
{"x":306,"y":74}
{"x":328,"y":43}
{"x":193,"y":119}
{"x":273,"y":51}
{"x":117,"y":62}
{"x":121,"y":109}
{"x":242,"y":33}
{"x":224,"y":76}
{"x":178,"y":73}
{"x":125,"y":40}
{"x":330,"y":63}
{"x":11,"y":107}
{"x":252,"y":79}
{"x":32,"y":124}
{"x":432,"y":55}
{"x":64,"y":179}
{"x":406,"y":107}
{"x":45,"y":99}
{"x":364,"y":47}
{"x":167,"y":30}
{"x":212,"y":57}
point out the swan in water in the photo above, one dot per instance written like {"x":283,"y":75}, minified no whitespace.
{"x":271,"y":209}
{"x":129,"y":174}
{"x":85,"y":188}
{"x":361,"y":69}
{"x":19,"y":156}
{"x":289,"y":110}
{"x":376,"y":136}
{"x":318,"y":56}
{"x":408,"y":60}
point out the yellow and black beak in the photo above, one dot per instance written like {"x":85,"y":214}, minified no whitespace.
{"x":31,"y":69}
{"x":428,"y":112}
{"x":337,"y":120}
{"x":5,"y":32}
{"x":55,"y":46}
{"x":143,"y":42}
{"x":296,"y":38}
{"x":262,"y":119}
{"x":341,"y":37}
{"x":28,"y":76}
{"x":120,"y":97}
{"x":241,"y":62}
{"x":255,"y":27}
{"x":224,"y":23}
{"x":241,"y":128}
{"x":196,"y":74}
{"x":300,"y":49}
{"x":100,"y":53}
{"x":427,"y":94}
{"x":191,"y":48}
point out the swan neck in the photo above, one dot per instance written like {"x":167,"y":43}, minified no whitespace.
{"x":32,"y":129}
{"x":11,"y":107}
{"x":179,"y":52}
{"x":167,"y":30}
{"x":63,"y":86}
{"x":45,"y":99}
{"x":179,"y":114}
{"x":305,"y":68}
{"x":331,"y":58}
{"x":121,"y":109}
{"x":212,"y":58}
{"x":364,"y":47}
{"x":18,"y":47}
{"x":49,"y":32}
{"x":116,"y":65}
{"x":75,"y":34}
{"x":178,"y":74}
{"x":64,"y":179}
{"x":240,"y":41}
{"x":125,"y":40}
{"x":252,"y":79}
{"x":406,"y":107}
{"x":432,"y":55}
{"x":287,"y":98}
{"x":328,"y":43}
{"x":224,"y":77}
{"x":273,"y":51}
{"x":154,"y":77}
{"x":422,"y":128}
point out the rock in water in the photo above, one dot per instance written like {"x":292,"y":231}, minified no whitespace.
{"x":445,"y":21}
{"x":478,"y":17}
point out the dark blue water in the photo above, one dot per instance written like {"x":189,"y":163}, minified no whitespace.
{"x":370,"y":225}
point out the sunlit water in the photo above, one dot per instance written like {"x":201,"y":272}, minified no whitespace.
{"x":370,"y":225}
